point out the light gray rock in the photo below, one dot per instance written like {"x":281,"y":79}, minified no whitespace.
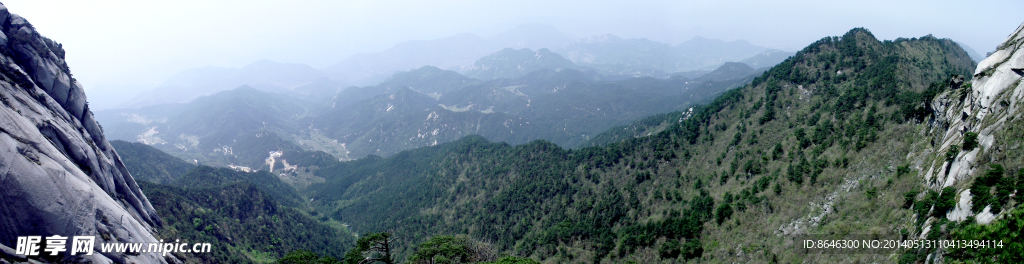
{"x":976,"y":109}
{"x":59,"y":176}
{"x":76,"y":100}
{"x":985,"y":216}
{"x":963,"y":207}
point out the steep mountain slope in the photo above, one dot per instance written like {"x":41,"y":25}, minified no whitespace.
{"x":60,"y":175}
{"x":247,"y":217}
{"x":974,"y":161}
{"x":817,"y":144}
{"x":149,"y":164}
{"x":245,"y":224}
{"x":511,"y":63}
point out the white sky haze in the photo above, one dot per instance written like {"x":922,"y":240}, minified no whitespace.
{"x":138,"y":44}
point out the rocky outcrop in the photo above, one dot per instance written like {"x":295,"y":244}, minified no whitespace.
{"x":58,"y":175}
{"x":984,"y":107}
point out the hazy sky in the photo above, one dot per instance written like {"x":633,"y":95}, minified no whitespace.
{"x":138,"y":44}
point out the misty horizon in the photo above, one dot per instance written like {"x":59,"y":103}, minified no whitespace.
{"x":111,"y":56}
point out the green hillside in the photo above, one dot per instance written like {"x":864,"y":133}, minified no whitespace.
{"x":148,"y":164}
{"x":242,"y":222}
{"x":247,"y":217}
{"x":831,"y":127}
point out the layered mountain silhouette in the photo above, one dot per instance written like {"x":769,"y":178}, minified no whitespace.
{"x":421,"y":107}
{"x":608,"y":55}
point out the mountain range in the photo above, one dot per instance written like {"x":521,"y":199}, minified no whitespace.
{"x":811,"y":145}
{"x":833,"y":141}
{"x":422,"y":107}
{"x":607,"y":54}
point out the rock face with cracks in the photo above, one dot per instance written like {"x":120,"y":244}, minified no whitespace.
{"x":994,"y":97}
{"x":58,"y":175}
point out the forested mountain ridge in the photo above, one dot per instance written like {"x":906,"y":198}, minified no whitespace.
{"x":148,"y":164}
{"x":246,"y":217}
{"x":243,"y":223}
{"x":733,"y":181}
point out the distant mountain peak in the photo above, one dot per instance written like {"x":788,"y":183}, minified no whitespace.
{"x":426,"y":79}
{"x":512,"y":63}
{"x":861,"y":34}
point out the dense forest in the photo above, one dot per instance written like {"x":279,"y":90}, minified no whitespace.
{"x":247,"y":217}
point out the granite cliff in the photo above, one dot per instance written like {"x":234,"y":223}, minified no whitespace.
{"x":58,"y":173}
{"x":986,"y":110}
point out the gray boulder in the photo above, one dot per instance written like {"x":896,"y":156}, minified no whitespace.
{"x":58,"y":175}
